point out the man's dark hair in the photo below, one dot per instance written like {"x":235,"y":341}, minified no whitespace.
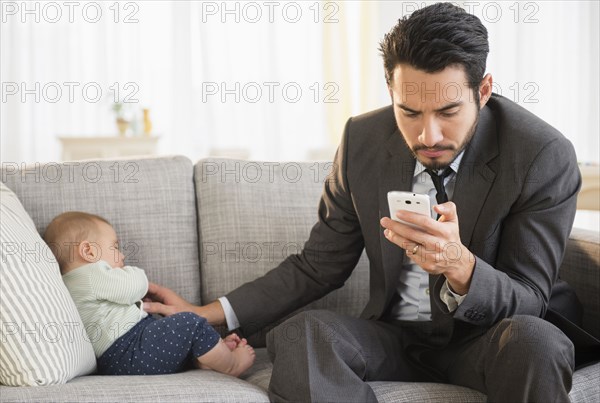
{"x":434,"y":38}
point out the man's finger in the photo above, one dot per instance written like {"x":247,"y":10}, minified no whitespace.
{"x":395,"y":226}
{"x":157,"y":307}
{"x":447,"y":211}
{"x":152,"y":291}
{"x":153,"y":288}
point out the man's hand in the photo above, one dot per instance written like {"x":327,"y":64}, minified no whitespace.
{"x":164,"y":301}
{"x":437,"y":245}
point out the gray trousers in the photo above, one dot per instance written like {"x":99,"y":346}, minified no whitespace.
{"x":321,"y":356}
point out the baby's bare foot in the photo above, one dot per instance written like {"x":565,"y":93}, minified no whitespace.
{"x":228,"y":361}
{"x":232,"y":341}
{"x":244,"y":358}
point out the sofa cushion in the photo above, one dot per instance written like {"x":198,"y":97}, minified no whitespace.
{"x":260,"y":372}
{"x":191,"y":386}
{"x":581,"y":269}
{"x":585,"y":386}
{"x":43,"y":338}
{"x":424,"y":392}
{"x":585,"y":389}
{"x":252,"y":215}
{"x":149,"y":201}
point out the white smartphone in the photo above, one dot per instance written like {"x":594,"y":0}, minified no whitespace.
{"x":415,"y":202}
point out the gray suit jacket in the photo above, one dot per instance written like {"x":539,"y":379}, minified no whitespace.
{"x":516,"y":198}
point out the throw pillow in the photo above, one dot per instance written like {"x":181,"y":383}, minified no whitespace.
{"x":43,"y":341}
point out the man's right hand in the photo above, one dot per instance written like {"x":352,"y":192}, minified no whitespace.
{"x":164,"y":301}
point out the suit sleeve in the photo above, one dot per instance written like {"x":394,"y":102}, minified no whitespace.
{"x":532,"y":242}
{"x":324,"y":264}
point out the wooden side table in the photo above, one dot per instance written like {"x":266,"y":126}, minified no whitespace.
{"x":78,"y":147}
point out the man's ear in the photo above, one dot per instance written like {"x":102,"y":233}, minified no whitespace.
{"x":89,"y":251}
{"x":485,"y":90}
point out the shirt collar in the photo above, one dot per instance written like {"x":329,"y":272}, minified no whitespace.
{"x":419,"y":168}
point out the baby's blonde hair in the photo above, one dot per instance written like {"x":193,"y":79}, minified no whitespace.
{"x":66,"y":231}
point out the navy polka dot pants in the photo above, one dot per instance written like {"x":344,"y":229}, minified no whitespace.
{"x":159,"y":346}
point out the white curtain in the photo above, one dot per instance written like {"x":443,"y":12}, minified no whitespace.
{"x":543,"y":55}
{"x":268,"y":80}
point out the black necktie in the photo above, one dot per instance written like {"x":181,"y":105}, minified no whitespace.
{"x":438,"y":182}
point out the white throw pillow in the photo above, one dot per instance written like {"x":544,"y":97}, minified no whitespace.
{"x":43,"y":341}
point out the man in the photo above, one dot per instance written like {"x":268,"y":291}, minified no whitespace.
{"x":458,"y":299}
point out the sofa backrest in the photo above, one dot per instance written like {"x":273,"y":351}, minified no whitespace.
{"x":252,"y":215}
{"x":149,"y":201}
{"x":581,"y":270}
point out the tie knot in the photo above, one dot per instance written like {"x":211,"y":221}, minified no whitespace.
{"x":438,"y":182}
{"x":441,"y":176}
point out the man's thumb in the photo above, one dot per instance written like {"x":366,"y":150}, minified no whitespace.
{"x":447,"y":211}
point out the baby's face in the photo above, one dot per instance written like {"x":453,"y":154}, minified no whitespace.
{"x":109,"y":245}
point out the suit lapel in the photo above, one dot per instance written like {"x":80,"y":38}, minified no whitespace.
{"x":396,"y":173}
{"x":473,"y":183}
{"x":475,"y":177}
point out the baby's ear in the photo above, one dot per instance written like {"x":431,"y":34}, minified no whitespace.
{"x":89,"y":251}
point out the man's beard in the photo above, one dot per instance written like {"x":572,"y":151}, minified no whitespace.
{"x":436,"y":165}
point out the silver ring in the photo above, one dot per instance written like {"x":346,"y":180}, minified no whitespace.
{"x":415,"y":249}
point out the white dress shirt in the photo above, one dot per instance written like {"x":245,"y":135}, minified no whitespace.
{"x":413,"y":281}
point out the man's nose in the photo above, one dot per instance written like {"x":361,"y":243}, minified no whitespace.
{"x":431,"y":133}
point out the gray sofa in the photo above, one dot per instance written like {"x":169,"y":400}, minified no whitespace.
{"x":207,"y":228}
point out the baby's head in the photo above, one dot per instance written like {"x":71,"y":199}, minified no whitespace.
{"x":78,"y":238}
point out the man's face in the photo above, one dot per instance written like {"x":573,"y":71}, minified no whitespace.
{"x":436,"y":112}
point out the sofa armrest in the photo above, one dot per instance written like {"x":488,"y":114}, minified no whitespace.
{"x":581,"y":269}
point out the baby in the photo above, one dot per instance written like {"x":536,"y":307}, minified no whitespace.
{"x":108,"y":296}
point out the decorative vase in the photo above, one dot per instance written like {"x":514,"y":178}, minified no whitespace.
{"x":147,"y":122}
{"x":123,"y":126}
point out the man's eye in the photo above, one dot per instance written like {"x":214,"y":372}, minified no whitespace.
{"x":410,"y":115}
{"x":448,"y":114}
